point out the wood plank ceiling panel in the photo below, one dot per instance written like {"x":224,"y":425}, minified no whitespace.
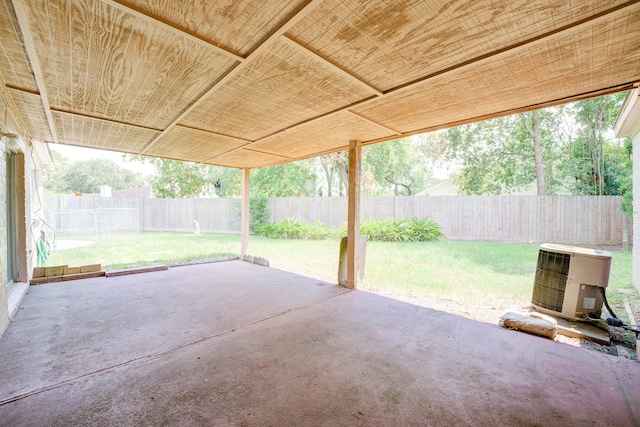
{"x":244,"y":158}
{"x":235,"y":25}
{"x":30,"y":108}
{"x":330,"y":133}
{"x":281,"y":87}
{"x":194,"y":145}
{"x":389,"y":43}
{"x":102,"y":134}
{"x":14,"y":63}
{"x":556,"y":68}
{"x":102,"y":62}
{"x":295,"y":78}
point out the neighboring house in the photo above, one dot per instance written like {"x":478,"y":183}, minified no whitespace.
{"x":143,"y":192}
{"x":443,"y":188}
{"x":21,"y":196}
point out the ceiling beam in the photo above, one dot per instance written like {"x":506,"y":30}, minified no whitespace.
{"x":270,"y":154}
{"x":327,"y":114}
{"x":30,"y":47}
{"x":210,"y":132}
{"x":609,"y":13}
{"x":103,"y":119}
{"x":173,"y":29}
{"x":231,"y":150}
{"x":275,"y":35}
{"x":306,"y":49}
{"x":373,"y":123}
{"x":10,"y":110}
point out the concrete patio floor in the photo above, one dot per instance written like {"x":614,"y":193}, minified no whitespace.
{"x":238,"y":344}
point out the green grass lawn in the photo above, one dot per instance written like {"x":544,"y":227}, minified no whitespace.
{"x":497,"y":275}
{"x":154,"y":248}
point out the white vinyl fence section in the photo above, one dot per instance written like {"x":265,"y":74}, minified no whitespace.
{"x":575,"y":219}
{"x":213,"y":215}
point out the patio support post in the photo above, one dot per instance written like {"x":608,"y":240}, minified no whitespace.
{"x":244,"y":246}
{"x":353,"y":216}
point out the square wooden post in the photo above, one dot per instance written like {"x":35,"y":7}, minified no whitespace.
{"x":244,"y":228}
{"x":353,"y":216}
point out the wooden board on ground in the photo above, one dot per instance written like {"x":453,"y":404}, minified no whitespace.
{"x":582,"y":330}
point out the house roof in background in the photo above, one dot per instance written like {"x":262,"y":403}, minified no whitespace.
{"x":144,"y":191}
{"x":628,"y":121}
{"x":256,"y":83}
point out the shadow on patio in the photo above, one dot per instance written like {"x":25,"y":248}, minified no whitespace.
{"x":234,"y":343}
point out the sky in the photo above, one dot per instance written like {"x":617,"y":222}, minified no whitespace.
{"x":76,"y":154}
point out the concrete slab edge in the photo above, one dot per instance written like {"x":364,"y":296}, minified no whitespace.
{"x":203,"y":261}
{"x":135,"y":270}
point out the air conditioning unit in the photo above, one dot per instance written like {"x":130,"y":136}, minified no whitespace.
{"x":568,"y":279}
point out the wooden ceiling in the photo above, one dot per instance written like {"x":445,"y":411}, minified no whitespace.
{"x":248,"y":83}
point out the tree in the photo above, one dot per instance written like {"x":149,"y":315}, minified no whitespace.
{"x":336,"y":169}
{"x":393,"y":167}
{"x":625,"y":176}
{"x":227,"y":182}
{"x":591,"y":160}
{"x":499,"y":155}
{"x":291,"y":179}
{"x":88,"y":176}
{"x":531,"y":122}
{"x":396,"y":166}
{"x":54,"y":176}
{"x":176,"y":179}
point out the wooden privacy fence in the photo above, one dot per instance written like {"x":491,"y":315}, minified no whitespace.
{"x":499,"y":218}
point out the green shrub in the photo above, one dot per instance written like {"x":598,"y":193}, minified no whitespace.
{"x":258,"y":211}
{"x":414,"y":229}
{"x":293,"y":228}
{"x":424,"y":230}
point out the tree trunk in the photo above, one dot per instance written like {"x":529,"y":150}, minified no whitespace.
{"x":344,"y":178}
{"x":533,"y":129}
{"x":396,"y":184}
{"x":328,"y":172}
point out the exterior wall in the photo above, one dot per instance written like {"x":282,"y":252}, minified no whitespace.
{"x":4,"y":297}
{"x":628,"y":125}
{"x":29,"y":194}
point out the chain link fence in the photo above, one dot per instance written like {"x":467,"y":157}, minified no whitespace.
{"x":96,"y":226}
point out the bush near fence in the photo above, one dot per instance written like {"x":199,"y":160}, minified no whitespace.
{"x":577,"y":219}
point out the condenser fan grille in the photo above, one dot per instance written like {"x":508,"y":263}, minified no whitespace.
{"x":551,"y":279}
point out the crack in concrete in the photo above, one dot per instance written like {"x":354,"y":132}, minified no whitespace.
{"x":159,"y":354}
